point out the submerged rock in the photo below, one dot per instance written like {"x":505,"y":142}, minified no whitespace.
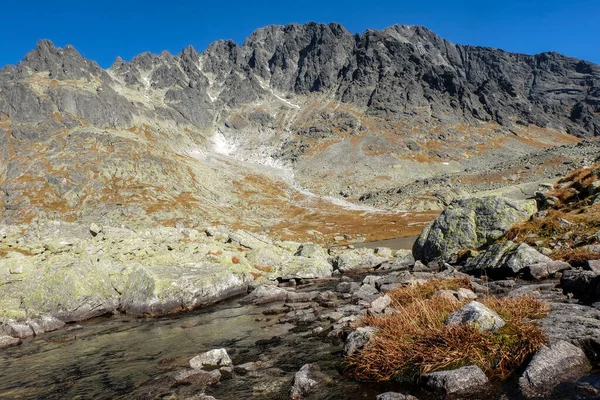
{"x":554,"y":364}
{"x":478,"y":315}
{"x":461,"y":381}
{"x":469,"y":223}
{"x":199,"y":377}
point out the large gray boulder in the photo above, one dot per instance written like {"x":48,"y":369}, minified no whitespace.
{"x":554,"y":364}
{"x":508,"y":259}
{"x":470,"y":224}
{"x":461,"y":381}
{"x":159,"y":290}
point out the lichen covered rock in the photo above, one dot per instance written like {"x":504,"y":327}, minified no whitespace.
{"x":469,"y":223}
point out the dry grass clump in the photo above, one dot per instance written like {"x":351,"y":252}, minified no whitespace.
{"x":416,"y":341}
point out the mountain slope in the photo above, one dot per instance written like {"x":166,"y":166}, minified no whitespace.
{"x":168,"y":139}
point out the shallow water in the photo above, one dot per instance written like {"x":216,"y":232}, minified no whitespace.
{"x":404,"y":243}
{"x":118,"y":357}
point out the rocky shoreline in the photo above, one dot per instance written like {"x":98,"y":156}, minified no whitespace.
{"x":92,"y":271}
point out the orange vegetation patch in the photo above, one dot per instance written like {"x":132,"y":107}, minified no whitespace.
{"x":290,"y":215}
{"x":415,"y":340}
{"x":5,"y":252}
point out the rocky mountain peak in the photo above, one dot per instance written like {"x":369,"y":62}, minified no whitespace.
{"x":65,"y":63}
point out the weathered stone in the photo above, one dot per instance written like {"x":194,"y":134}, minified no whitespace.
{"x":546,"y":270}
{"x":49,"y":323}
{"x":366,"y":292}
{"x":305,"y":381}
{"x":379,"y":304}
{"x":469,"y":223}
{"x":347,"y":287}
{"x":395,"y":396}
{"x":9,"y":341}
{"x":508,"y":259}
{"x":551,"y":365}
{"x":157,"y":290}
{"x":18,"y":330}
{"x":211,"y":359}
{"x":358,"y":339}
{"x":465,"y":294}
{"x":265,"y":294}
{"x":477,"y":315}
{"x":461,"y":381}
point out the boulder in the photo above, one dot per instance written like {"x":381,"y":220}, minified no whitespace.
{"x":380,"y":303}
{"x":477,"y":315}
{"x":354,"y":260}
{"x":9,"y":341}
{"x":547,"y":270}
{"x":554,"y":364}
{"x":506,"y":259}
{"x":358,"y":339}
{"x":366,"y":292}
{"x":461,"y":381}
{"x":162,"y":289}
{"x":18,"y":329}
{"x":306,"y":380}
{"x":211,"y":359}
{"x":469,"y":223}
{"x":347,"y":287}
{"x":312,"y":250}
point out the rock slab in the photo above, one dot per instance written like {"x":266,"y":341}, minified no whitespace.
{"x":554,"y":364}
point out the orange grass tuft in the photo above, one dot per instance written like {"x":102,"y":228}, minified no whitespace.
{"x":416,"y":340}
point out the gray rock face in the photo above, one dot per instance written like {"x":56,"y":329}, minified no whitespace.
{"x":508,"y":259}
{"x":575,"y":323}
{"x":478,"y":315}
{"x":469,"y":223}
{"x":358,"y":339}
{"x":551,"y":365}
{"x":465,"y":380}
{"x":305,"y":381}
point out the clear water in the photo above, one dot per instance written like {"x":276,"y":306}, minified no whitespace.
{"x":118,"y":357}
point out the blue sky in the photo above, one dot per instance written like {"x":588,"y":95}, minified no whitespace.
{"x":102,"y":30}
